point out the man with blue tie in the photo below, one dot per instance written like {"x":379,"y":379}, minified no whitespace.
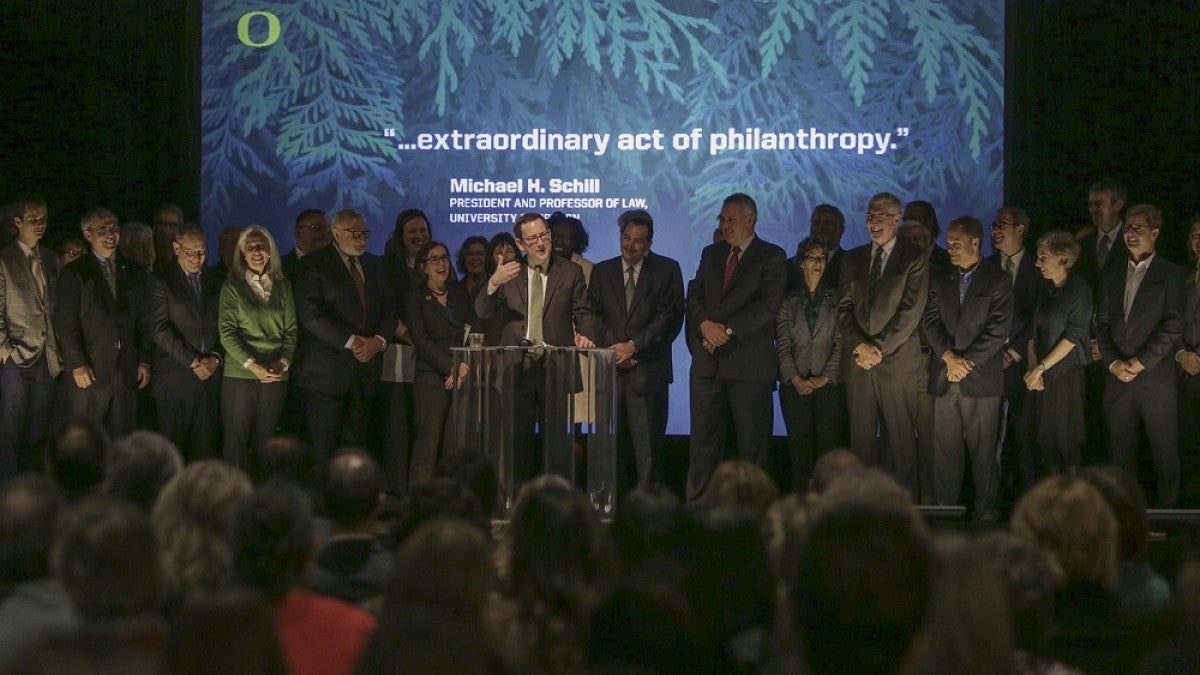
{"x":182,"y":321}
{"x":638,"y":301}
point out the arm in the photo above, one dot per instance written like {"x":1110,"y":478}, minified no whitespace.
{"x":229,"y":325}
{"x":67,"y":307}
{"x":762,"y":310}
{"x":668,"y":313}
{"x":991,"y":339}
{"x":852,"y":333}
{"x":783,"y":343}
{"x":940,"y":340}
{"x":291,"y":321}
{"x":162,"y":331}
{"x":604,"y":336}
{"x":314,"y":312}
{"x":833,"y":366}
{"x":1104,"y":322}
{"x":428,"y":349}
{"x":1170,"y":325}
{"x":581,"y":311}
{"x":5,"y":344}
{"x":912,"y":306}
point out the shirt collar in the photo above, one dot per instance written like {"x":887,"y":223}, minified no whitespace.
{"x":1141,"y":266}
{"x":25,"y":249}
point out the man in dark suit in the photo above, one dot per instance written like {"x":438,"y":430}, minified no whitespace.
{"x":345,"y":306}
{"x":96,"y":322}
{"x":1188,"y":358}
{"x":29,"y":359}
{"x":182,"y":321}
{"x":731,"y":308}
{"x":924,"y":213}
{"x":1139,"y":321}
{"x":312,"y":234}
{"x":827,"y":224}
{"x":881,"y":298}
{"x":562,"y":318}
{"x":638,"y":301}
{"x":966,"y":321}
{"x":1009,"y":229}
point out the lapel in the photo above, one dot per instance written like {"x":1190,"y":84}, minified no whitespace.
{"x":745,"y":261}
{"x":1149,"y":283}
{"x":19,"y":259}
{"x":183,"y":288}
{"x":639,"y":290}
{"x":554,"y":272}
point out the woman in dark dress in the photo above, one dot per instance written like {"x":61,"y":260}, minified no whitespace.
{"x":501,"y":249}
{"x":438,"y":316}
{"x":400,"y":255}
{"x":1057,"y":353}
{"x":809,"y":347}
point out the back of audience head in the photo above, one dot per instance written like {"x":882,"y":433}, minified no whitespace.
{"x":139,"y":465}
{"x":446,"y":564}
{"x":862,"y":591}
{"x":785,"y":532}
{"x":436,"y":497}
{"x":106,"y":556}
{"x":872,"y":489}
{"x":417,"y":639}
{"x":75,"y":457}
{"x":1124,"y":496}
{"x":473,"y":469}
{"x":558,"y":545}
{"x":831,"y":465}
{"x":1024,"y":572}
{"x":193,"y":516}
{"x":353,"y":489}
{"x":640,"y":628}
{"x":29,"y":510}
{"x":81,"y":653}
{"x":272,"y":538}
{"x":741,"y":482}
{"x":1069,"y":519}
{"x":645,"y":525}
{"x":231,"y":632}
{"x":287,"y":457}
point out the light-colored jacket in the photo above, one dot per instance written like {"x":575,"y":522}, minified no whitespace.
{"x":27,"y":321}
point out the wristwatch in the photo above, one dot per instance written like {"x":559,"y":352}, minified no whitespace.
{"x":1041,"y":366}
{"x":729,"y":331}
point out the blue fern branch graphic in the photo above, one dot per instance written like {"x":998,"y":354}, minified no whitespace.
{"x":854,"y":25}
{"x":449,"y":27}
{"x":512,"y":21}
{"x":784,"y":15}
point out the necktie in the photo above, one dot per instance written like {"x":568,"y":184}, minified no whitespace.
{"x":35,"y":268}
{"x":876,"y":273}
{"x":194,"y":282}
{"x":629,"y":286}
{"x":1102,"y":248}
{"x":963,"y":282}
{"x":730,"y":266}
{"x":1008,"y":264}
{"x":110,"y":275}
{"x":535,"y":308}
{"x":359,"y":284}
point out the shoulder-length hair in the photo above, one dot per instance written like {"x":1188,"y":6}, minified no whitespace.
{"x":239,"y":267}
{"x":423,"y":257}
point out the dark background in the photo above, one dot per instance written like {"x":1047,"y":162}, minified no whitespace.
{"x":99,"y":106}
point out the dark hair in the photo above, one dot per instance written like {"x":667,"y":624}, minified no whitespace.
{"x":460,"y":258}
{"x":932,"y":223}
{"x":435,"y":497}
{"x":287,"y":457}
{"x":229,"y":632}
{"x":645,"y":524}
{"x":75,"y":456}
{"x":272,"y":537}
{"x":579,"y":235}
{"x":489,"y":264}
{"x":352,"y":487}
{"x":1114,"y":188}
{"x":1128,"y":503}
{"x":831,"y":210}
{"x":29,"y":507}
{"x":139,"y":465}
{"x":26,"y":202}
{"x":473,"y":469}
{"x":306,"y":213}
{"x":396,"y":238}
{"x":808,"y":245}
{"x":423,"y":257}
{"x":527,"y":218}
{"x":106,"y":556}
{"x":968,"y":225}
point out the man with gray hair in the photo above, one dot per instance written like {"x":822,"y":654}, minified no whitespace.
{"x":94,"y":317}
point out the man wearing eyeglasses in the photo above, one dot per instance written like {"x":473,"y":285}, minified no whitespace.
{"x":1139,"y":322}
{"x":345,"y":306}
{"x":182,"y":322}
{"x":563,"y":319}
{"x":95,"y":318}
{"x":312,"y":234}
{"x":29,"y":359}
{"x":881,"y":297}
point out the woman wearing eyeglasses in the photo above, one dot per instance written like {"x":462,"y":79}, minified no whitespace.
{"x":809,"y":347}
{"x":438,"y":316}
{"x":257,"y":322}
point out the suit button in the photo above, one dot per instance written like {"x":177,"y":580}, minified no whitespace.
{"x":117,"y":344}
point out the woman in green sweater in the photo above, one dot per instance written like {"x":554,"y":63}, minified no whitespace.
{"x":257,"y":321}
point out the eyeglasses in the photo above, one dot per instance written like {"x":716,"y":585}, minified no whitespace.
{"x":1001,"y":224}
{"x":197,"y":253}
{"x":533,"y":239}
{"x":104,"y":231}
{"x":356,"y":234}
{"x":879,"y":217}
{"x":312,"y":226}
{"x":1138,"y":229}
{"x":256,"y":248}
{"x":816,"y":258}
{"x":438,"y":259}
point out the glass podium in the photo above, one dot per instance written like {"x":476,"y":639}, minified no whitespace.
{"x":484,"y":413}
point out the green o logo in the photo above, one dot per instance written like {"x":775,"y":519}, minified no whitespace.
{"x":272,"y":29}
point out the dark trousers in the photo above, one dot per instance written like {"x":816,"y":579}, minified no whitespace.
{"x":432,"y":411}
{"x":815,"y":425}
{"x":885,"y":396}
{"x":352,"y":418}
{"x":113,"y":406}
{"x":398,"y":438}
{"x":529,"y":409}
{"x":249,"y":412}
{"x":717,"y":404}
{"x":926,"y":436}
{"x":25,"y":397}
{"x":970,"y":423}
{"x":190,"y":415}
{"x":1151,"y":399}
{"x":1189,"y":440}
{"x":641,"y":428}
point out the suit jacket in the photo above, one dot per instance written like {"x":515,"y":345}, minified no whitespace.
{"x":804,"y":352}
{"x":27,"y":321}
{"x":291,"y":265}
{"x":749,"y":306}
{"x":1024,"y":291}
{"x":653,"y":320}
{"x":1155,"y":323}
{"x":435,"y":329}
{"x":94,"y":328}
{"x":975,"y":329}
{"x":329,"y":312}
{"x":1088,"y":267}
{"x":1191,"y":327}
{"x":182,"y":328}
{"x":899,"y":302}
{"x":565,"y":308}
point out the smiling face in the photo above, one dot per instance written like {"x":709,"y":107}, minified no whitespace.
{"x":963,"y":249}
{"x":414,"y":234}
{"x":1050,"y":265}
{"x":1007,"y":236}
{"x":813,"y":263}
{"x":256,"y":252}
{"x":350,"y":236}
{"x":635,"y":241}
{"x":1139,"y":236}
{"x":736,"y":223}
{"x":473,"y":256}
{"x":437,"y":267}
{"x":882,"y":220}
{"x":562,"y":240}
{"x":1105,"y":213}
{"x":535,"y":241}
{"x":190,"y":252}
{"x":505,"y":252}
{"x":103,"y":235}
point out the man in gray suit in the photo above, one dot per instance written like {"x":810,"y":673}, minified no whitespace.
{"x":966,"y":322}
{"x":881,"y":297}
{"x":29,"y":359}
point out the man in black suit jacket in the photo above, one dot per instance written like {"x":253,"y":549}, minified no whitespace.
{"x":1139,"y":321}
{"x":638,"y":301}
{"x":566,"y":320}
{"x":312,"y":234}
{"x":731,"y":309}
{"x":96,"y":325}
{"x":1188,"y":358}
{"x":29,"y":359}
{"x":966,"y":321}
{"x":881,"y":298}
{"x":182,"y":321}
{"x":1009,"y":229}
{"x":345,"y":306}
